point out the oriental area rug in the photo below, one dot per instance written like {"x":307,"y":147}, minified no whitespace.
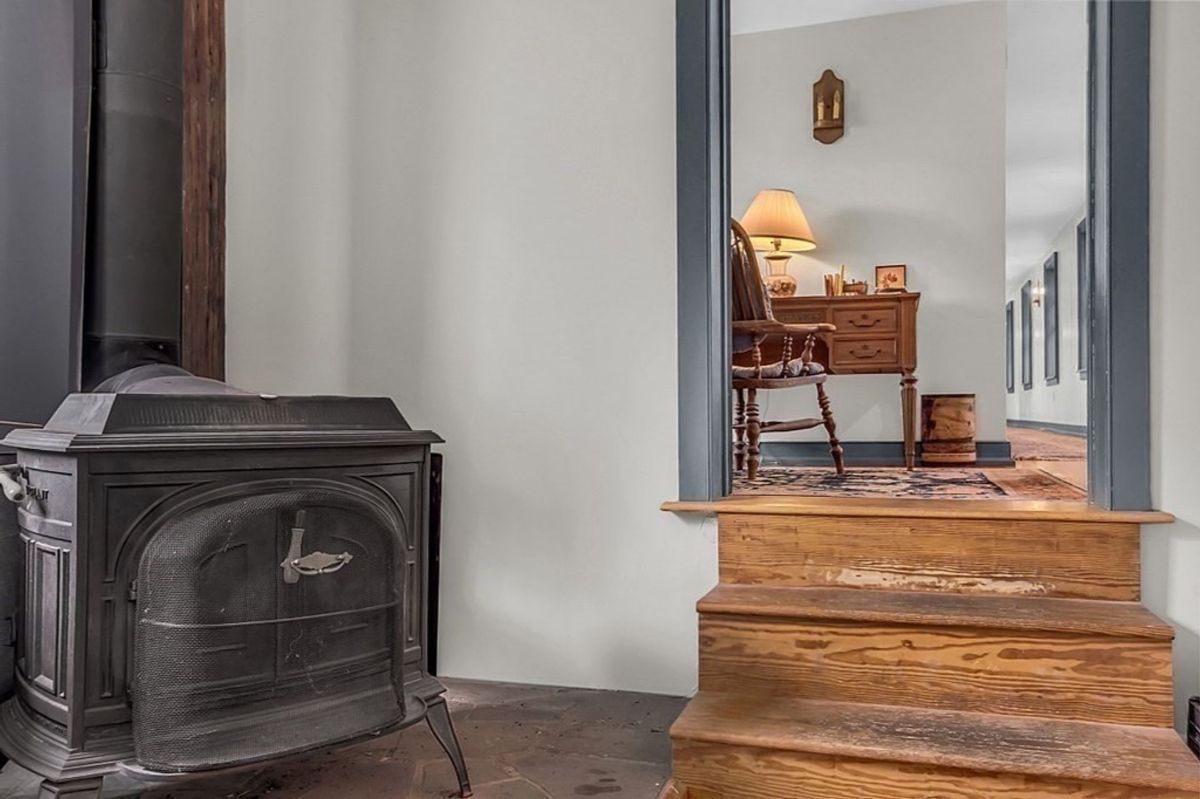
{"x":898,"y":483}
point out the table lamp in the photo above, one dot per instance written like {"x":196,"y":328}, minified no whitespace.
{"x":777,"y":226}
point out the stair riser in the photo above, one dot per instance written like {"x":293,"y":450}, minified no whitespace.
{"x":719,"y":771}
{"x":1051,"y":675}
{"x":1017,"y":558}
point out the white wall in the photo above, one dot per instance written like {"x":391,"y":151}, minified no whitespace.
{"x":290,"y":85}
{"x":469,"y":206}
{"x":918,"y":178}
{"x":1171,"y":555}
{"x":1066,"y":402}
{"x":485,"y":301}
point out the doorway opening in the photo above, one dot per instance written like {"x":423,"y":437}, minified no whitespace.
{"x":920,"y":192}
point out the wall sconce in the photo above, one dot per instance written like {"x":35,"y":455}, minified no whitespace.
{"x":829,"y":108}
{"x":1037,"y":292}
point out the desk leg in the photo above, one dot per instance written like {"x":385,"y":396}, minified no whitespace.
{"x":908,"y":406}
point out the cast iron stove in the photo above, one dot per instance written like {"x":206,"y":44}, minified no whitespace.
{"x":214,"y":578}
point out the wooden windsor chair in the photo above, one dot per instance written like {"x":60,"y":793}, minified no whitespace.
{"x":753,"y":322}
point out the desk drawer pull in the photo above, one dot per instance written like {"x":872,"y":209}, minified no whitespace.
{"x":875,"y":319}
{"x":866,"y":353}
{"x":866,"y":320}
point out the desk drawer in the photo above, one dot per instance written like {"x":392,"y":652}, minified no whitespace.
{"x":801,"y":316}
{"x":865,"y":320}
{"x":865,"y":352}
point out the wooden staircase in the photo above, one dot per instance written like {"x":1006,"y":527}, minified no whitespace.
{"x":908,"y":649}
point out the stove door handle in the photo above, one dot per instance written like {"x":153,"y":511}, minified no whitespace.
{"x":296,"y":565}
{"x":291,"y":575}
{"x":320,"y":563}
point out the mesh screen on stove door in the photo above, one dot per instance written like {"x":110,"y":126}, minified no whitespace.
{"x":234,"y":662}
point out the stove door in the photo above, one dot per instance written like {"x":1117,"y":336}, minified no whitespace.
{"x":267,"y":624}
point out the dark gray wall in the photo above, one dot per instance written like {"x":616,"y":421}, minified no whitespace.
{"x":44,"y":83}
{"x":45,"y":51}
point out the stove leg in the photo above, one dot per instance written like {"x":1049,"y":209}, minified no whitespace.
{"x":443,"y":729}
{"x":86,"y":788}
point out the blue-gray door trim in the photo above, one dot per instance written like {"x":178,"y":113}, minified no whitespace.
{"x":1119,"y":170}
{"x":1119,"y":175}
{"x":702,"y":157}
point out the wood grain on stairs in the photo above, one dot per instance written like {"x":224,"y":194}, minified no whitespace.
{"x":746,"y":746}
{"x":1094,"y":560}
{"x":1052,"y":675}
{"x":1059,"y":658}
{"x":1119,"y":619}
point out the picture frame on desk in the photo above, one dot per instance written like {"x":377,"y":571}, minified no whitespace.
{"x":891,"y":278}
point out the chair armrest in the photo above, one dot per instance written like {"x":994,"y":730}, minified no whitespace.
{"x":769,"y":327}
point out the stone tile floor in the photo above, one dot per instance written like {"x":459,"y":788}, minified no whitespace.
{"x":521,"y":742}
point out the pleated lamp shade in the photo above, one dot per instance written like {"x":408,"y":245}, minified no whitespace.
{"x":776,"y":222}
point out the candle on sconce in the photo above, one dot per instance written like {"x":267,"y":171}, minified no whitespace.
{"x":828,"y":108}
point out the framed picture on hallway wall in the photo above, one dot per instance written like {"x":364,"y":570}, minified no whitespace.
{"x":1010,"y":376}
{"x":1027,"y":335}
{"x":1050,"y":318}
{"x":1084,"y":287}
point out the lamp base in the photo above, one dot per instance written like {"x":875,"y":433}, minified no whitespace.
{"x":780,"y":285}
{"x":778,"y":282}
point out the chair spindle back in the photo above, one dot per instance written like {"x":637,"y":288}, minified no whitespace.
{"x":750,"y":300}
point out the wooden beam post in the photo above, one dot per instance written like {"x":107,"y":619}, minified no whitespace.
{"x":203,"y":346}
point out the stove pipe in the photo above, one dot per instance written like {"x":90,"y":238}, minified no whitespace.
{"x":133,"y":272}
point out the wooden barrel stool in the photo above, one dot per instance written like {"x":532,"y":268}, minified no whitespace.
{"x":947,"y":429}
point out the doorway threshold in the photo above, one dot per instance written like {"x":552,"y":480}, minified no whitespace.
{"x":1049,"y":510}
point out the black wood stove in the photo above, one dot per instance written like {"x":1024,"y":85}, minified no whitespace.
{"x":214,"y":578}
{"x":210,"y":578}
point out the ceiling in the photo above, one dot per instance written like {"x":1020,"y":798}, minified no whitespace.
{"x":1046,"y":104}
{"x":754,"y":16}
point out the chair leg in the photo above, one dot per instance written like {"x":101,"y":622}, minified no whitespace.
{"x":753,"y":432}
{"x":835,"y":447}
{"x":739,"y":431}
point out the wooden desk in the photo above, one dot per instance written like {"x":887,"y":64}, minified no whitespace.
{"x":876,"y":334}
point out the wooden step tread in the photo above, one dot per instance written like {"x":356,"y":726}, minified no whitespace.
{"x":1144,"y":757}
{"x":1048,"y":614}
{"x":999,"y":509}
